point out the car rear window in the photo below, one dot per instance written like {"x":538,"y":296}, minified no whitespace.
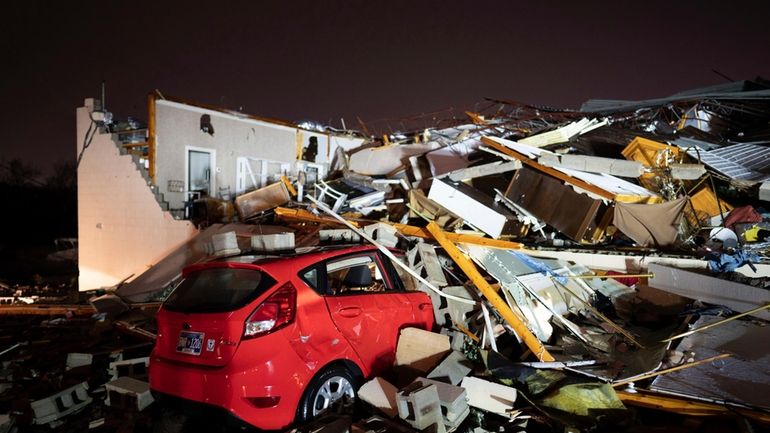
{"x":217,"y":290}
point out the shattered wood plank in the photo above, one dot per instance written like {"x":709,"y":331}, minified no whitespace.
{"x":302,"y":215}
{"x":130,"y":328}
{"x":684,"y":406}
{"x":289,"y":186}
{"x":305,"y":216}
{"x":491,"y":294}
{"x":46,"y":310}
{"x":422,"y":232}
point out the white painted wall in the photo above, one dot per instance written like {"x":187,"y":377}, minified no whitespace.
{"x":178,"y":128}
{"x":121,"y":228}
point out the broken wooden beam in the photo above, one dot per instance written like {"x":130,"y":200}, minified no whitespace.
{"x":490,"y":293}
{"x":46,"y":310}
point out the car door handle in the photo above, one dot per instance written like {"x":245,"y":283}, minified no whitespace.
{"x":349,"y":311}
{"x":425,"y":306}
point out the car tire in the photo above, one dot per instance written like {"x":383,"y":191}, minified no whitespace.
{"x":333,"y":389}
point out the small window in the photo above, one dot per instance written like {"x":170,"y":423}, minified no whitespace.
{"x":217,"y":290}
{"x":311,"y":278}
{"x":351,"y":275}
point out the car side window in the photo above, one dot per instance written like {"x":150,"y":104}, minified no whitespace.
{"x":355,"y":275}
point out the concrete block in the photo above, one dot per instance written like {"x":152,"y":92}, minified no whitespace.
{"x":381,"y":394}
{"x":452,"y":369}
{"x":432,"y":264}
{"x":75,"y":360}
{"x":275,"y":242}
{"x":136,"y":368}
{"x":595,"y":164}
{"x":128,"y":393}
{"x":453,"y":401}
{"x":420,"y":349}
{"x":6,"y":423}
{"x":456,"y":338}
{"x":59,"y":405}
{"x":339,"y":236}
{"x":457,"y":310}
{"x":420,"y":407}
{"x":385,"y":234}
{"x":764,"y":191}
{"x":489,"y":396}
{"x":484,"y":170}
{"x":224,"y":244}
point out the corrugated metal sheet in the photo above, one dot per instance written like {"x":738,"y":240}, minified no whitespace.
{"x":743,"y":378}
{"x":745,"y":161}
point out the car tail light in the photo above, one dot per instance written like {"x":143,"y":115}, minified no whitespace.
{"x":273,"y":313}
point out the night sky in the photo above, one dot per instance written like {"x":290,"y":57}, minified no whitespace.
{"x":324,"y":60}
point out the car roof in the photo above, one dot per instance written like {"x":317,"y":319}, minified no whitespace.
{"x":300,"y":256}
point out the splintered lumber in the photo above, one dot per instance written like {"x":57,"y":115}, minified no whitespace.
{"x":490,"y":293}
{"x":46,"y":310}
{"x":686,"y":407}
{"x":302,"y":215}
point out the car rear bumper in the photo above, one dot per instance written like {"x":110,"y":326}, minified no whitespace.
{"x":244,"y":387}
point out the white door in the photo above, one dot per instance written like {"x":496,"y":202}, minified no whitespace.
{"x":199,"y":171}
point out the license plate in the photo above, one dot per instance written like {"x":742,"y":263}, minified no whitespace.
{"x":190,"y":342}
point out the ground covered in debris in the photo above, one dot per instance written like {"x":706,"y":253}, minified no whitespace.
{"x":595,"y":270}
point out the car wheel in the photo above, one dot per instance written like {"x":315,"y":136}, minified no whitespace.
{"x":334,"y":388}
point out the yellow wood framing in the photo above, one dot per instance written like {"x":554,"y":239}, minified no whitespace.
{"x":490,"y":293}
{"x":151,"y":125}
{"x":289,"y":186}
{"x":686,"y":407}
{"x":406,"y":230}
{"x":302,"y":215}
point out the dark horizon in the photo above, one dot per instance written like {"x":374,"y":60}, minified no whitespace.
{"x":324,"y":61}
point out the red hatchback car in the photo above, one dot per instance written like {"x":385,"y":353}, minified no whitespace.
{"x":278,"y":339}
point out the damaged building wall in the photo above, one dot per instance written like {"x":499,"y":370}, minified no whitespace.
{"x":121,"y":227}
{"x":235,"y":151}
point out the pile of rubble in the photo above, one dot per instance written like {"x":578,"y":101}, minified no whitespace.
{"x":584,"y":266}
